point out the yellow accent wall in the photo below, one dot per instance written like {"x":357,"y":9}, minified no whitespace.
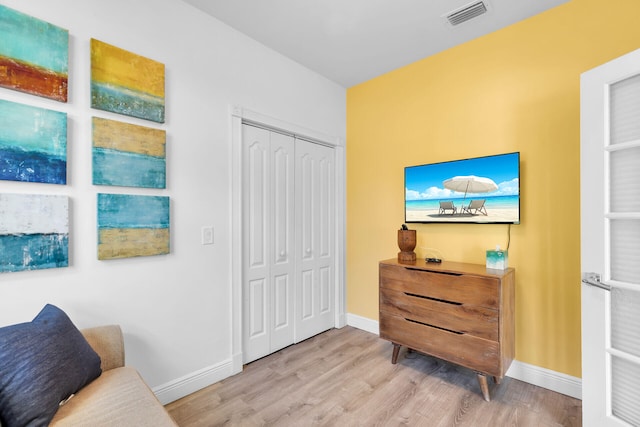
{"x":517,"y":89}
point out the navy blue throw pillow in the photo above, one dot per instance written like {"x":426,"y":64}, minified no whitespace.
{"x":42,"y":363}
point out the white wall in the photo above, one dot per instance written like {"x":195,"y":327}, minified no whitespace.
{"x":174,"y":309}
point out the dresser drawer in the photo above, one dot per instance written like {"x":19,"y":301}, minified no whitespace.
{"x":468,"y":319}
{"x":466,"y":350}
{"x":450,"y":287}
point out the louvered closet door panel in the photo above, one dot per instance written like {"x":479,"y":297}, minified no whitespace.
{"x":315,"y":213}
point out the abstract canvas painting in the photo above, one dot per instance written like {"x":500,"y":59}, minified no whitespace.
{"x":34,"y":55}
{"x":33,"y":144}
{"x":131,"y":226}
{"x":34,"y":232}
{"x":125,"y":83}
{"x":128,"y":155}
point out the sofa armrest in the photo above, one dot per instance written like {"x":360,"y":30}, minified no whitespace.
{"x":108,"y":342}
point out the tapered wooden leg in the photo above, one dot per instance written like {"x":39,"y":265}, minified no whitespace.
{"x":497,"y":380}
{"x":394,"y":356}
{"x":484,"y":386}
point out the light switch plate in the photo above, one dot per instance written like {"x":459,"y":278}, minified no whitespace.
{"x":207,"y":235}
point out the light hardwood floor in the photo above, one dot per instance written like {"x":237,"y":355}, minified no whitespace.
{"x":344,"y":377}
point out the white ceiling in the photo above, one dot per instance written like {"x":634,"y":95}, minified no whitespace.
{"x":352,"y":41}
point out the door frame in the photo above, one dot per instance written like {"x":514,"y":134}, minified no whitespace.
{"x":237,"y":116}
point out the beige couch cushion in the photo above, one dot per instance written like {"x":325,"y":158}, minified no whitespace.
{"x":119,"y":397}
{"x":108,"y":342}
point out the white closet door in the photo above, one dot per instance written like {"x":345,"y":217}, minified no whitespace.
{"x":268,"y":240}
{"x":315,"y":213}
{"x":282,"y":241}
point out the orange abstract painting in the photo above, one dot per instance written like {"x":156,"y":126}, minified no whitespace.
{"x":34,"y":55}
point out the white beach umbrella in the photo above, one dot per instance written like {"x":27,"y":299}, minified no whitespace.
{"x":470,"y":184}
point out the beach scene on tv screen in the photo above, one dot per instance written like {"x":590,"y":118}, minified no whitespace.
{"x":479,"y":190}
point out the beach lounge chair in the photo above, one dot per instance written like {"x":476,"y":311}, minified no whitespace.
{"x":447,"y":206}
{"x":474,"y":207}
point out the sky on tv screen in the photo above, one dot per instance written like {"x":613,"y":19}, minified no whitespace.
{"x":425,"y":182}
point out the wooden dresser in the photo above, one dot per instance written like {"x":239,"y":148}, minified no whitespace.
{"x":462,"y":313}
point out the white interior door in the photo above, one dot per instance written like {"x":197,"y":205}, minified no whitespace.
{"x":315,"y":213}
{"x":268,"y":242}
{"x":610,"y":242}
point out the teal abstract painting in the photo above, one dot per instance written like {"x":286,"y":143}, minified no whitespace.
{"x":131,"y":226}
{"x":34,"y":232}
{"x":33,"y":144}
{"x":34,"y":55}
{"x":128,"y":155}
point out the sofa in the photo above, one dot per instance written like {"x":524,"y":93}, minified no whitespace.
{"x":118,"y":397}
{"x":108,"y":394}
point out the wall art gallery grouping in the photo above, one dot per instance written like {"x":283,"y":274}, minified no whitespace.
{"x":34,"y":228}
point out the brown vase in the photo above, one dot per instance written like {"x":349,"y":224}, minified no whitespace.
{"x":407,"y":243}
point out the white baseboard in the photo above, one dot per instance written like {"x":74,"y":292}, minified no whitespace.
{"x":237,"y":363}
{"x":541,"y":377}
{"x":546,"y":378}
{"x":190,"y":383}
{"x":363,"y":323}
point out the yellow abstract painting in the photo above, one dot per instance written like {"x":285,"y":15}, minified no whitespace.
{"x":126,"y":83}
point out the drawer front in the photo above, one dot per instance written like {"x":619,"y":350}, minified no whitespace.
{"x":472,"y":352}
{"x":455,"y":288}
{"x":461,"y":318}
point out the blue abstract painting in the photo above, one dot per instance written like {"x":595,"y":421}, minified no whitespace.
{"x":131,"y":225}
{"x":33,"y":144}
{"x":34,"y":232}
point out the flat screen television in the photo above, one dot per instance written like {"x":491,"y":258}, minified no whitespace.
{"x":481,"y":190}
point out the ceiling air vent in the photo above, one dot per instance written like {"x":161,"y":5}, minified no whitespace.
{"x":468,"y":12}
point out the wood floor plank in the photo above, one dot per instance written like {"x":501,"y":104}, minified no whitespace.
{"x":344,"y":377}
